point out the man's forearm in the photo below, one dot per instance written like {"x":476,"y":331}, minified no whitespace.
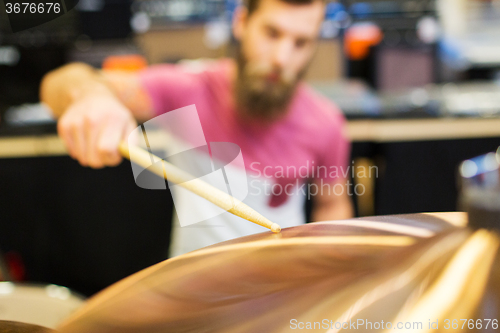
{"x":339,"y":209}
{"x":61,"y":87}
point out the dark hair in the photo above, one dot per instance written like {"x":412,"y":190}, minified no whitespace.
{"x":252,"y":5}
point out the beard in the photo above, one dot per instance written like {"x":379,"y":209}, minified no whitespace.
{"x":264,"y":92}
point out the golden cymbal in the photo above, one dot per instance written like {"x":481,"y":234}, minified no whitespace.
{"x":15,"y":327}
{"x":391,"y":269}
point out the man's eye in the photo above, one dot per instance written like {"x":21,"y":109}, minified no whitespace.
{"x":272,"y":33}
{"x":300,"y":43}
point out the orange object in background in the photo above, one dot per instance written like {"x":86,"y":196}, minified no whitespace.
{"x":129,"y":63}
{"x":359,"y":38}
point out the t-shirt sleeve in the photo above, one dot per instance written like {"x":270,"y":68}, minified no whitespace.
{"x":336,"y":151}
{"x":169,"y":86}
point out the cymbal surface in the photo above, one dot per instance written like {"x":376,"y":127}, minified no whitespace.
{"x":15,"y":327}
{"x":266,"y":282}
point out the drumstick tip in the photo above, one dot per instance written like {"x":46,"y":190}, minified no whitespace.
{"x":275,"y":228}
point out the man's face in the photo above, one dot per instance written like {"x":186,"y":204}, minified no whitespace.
{"x":278,"y":41}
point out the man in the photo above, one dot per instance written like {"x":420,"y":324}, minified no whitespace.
{"x":257,"y":102}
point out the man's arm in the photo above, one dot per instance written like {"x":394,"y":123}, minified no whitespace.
{"x":96,"y":110}
{"x":329,"y":206}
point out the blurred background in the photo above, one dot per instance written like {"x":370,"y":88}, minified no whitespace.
{"x":418,"y":80}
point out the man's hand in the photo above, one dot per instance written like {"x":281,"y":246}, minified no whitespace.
{"x":328,"y":206}
{"x":96,"y":110}
{"x":93,"y":126}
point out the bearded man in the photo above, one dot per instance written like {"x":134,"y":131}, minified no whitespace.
{"x":258,"y":101}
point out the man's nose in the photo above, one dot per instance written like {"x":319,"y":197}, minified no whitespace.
{"x":283,"y":51}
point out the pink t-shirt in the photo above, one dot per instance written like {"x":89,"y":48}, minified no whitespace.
{"x":311,"y":136}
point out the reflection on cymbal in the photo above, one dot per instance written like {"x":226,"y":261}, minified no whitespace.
{"x":373,"y":269}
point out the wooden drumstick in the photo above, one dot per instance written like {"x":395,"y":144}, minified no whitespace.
{"x":197,"y":186}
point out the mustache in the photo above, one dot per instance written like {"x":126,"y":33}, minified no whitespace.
{"x":264,"y":70}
